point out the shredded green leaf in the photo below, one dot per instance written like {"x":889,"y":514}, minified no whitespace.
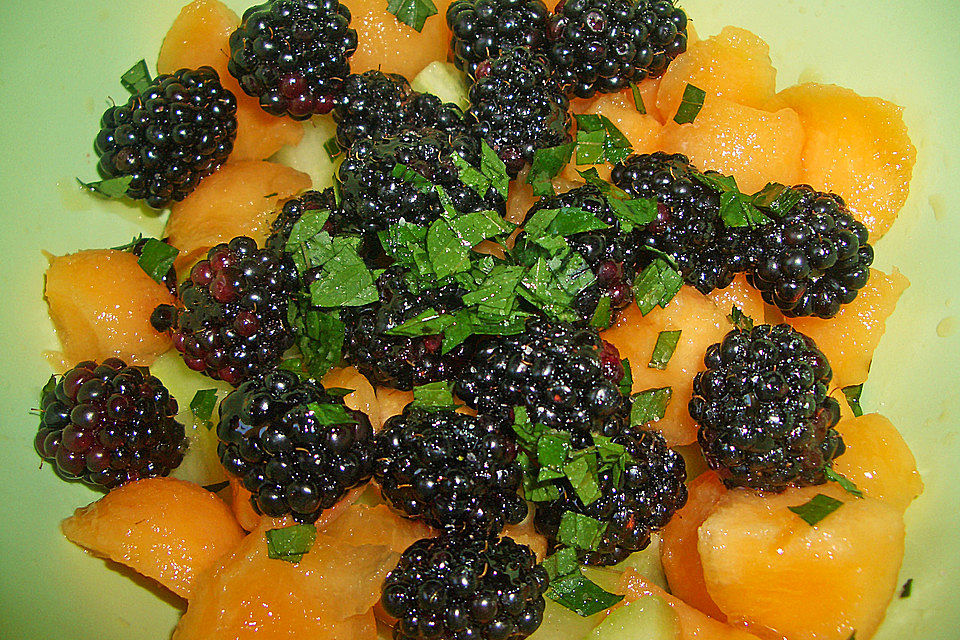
{"x":602,"y":315}
{"x":157,"y":258}
{"x":330,"y":414}
{"x":626,"y":383}
{"x":817,"y":508}
{"x":332,"y":148}
{"x":580,"y":531}
{"x":848,"y":485}
{"x":136,"y":79}
{"x":852,"y":394}
{"x":413,"y":13}
{"x":690,"y":104}
{"x":436,"y":396}
{"x":291,"y":543}
{"x":638,"y":99}
{"x":547,"y":164}
{"x":663,"y":350}
{"x":649,"y":405}
{"x":776,"y":198}
{"x":579,"y":594}
{"x":202,"y":405}
{"x":739,"y":319}
{"x":907,"y":588}
{"x":110,"y":188}
{"x":656,"y":285}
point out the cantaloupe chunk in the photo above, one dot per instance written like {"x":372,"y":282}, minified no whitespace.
{"x":392,"y":402}
{"x":200,"y":36}
{"x":741,"y":295}
{"x":878,"y":460}
{"x":384,"y":43}
{"x":857,"y":147}
{"x":526,"y":533}
{"x":100,"y":303}
{"x":735,"y":64}
{"x":239,"y":199}
{"x":678,"y":544}
{"x":754,"y":146}
{"x":251,"y":596}
{"x":694,"y":625}
{"x":377,"y":525}
{"x":766,"y":568}
{"x":166,"y":529}
{"x":850,"y":338}
{"x":363,"y":398}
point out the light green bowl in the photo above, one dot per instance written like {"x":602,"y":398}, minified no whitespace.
{"x":62,"y":59}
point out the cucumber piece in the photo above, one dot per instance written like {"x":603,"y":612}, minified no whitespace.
{"x":646,"y":563}
{"x":445,"y":81}
{"x":649,"y":618}
{"x":560,"y":623}
{"x":310,"y":156}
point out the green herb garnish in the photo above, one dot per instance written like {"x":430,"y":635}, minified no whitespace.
{"x":291,"y":543}
{"x":649,"y":405}
{"x":110,"y":188}
{"x":818,"y":508}
{"x":202,"y":404}
{"x":157,"y":258}
{"x":626,"y":383}
{"x":656,"y":285}
{"x":330,"y":414}
{"x":740,"y":320}
{"x":736,"y":208}
{"x":136,"y":79}
{"x":602,"y":315}
{"x":690,"y":104}
{"x":776,"y":198}
{"x":320,"y":338}
{"x":413,"y":13}
{"x":332,"y":148}
{"x":216,"y":487}
{"x":846,"y":483}
{"x":663,"y":350}
{"x":638,"y":99}
{"x":580,"y":531}
{"x":852,"y":394}
{"x":577,"y":593}
{"x":436,"y":396}
{"x":599,"y":140}
{"x":493,"y":168}
{"x":547,"y":164}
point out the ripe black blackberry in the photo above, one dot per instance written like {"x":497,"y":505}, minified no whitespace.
{"x":688,"y":226}
{"x":233,"y":324}
{"x":293,"y":55}
{"x":375,"y":198}
{"x":453,"y":471}
{"x":603,"y":45}
{"x":634,"y":503}
{"x":109,"y":424}
{"x":399,"y":361}
{"x":377,"y":105}
{"x":465,"y":588}
{"x":297,"y":448}
{"x":170,"y":136}
{"x":813,"y":259}
{"x":482,"y":29}
{"x":765,"y":418}
{"x":517,"y":107}
{"x":566,"y":377}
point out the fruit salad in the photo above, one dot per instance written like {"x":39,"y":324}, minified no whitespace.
{"x":486,"y":319}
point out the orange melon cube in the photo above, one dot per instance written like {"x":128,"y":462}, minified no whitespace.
{"x":243,"y":510}
{"x":387,"y":44}
{"x":850,"y":338}
{"x":100,"y":303}
{"x":166,"y":529}
{"x":741,"y":295}
{"x":378,"y":525}
{"x":526,"y":533}
{"x":857,"y":147}
{"x":769,"y":570}
{"x":392,"y":402}
{"x":754,"y":146}
{"x":363,"y":398}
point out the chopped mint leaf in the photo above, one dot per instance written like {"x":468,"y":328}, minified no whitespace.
{"x":776,"y":198}
{"x":630,"y":211}
{"x":470,"y":176}
{"x":580,"y":531}
{"x":136,"y":79}
{"x":552,"y":283}
{"x":590,"y":147}
{"x":309,"y":226}
{"x":329,"y":414}
{"x":740,"y":320}
{"x":565,"y":221}
{"x":157,"y":258}
{"x":638,"y":99}
{"x":562,"y":563}
{"x":338,"y":392}
{"x":663,"y":350}
{"x":717,"y":181}
{"x":49,"y":387}
{"x":626,"y":384}
{"x":817,"y":508}
{"x":553,"y":447}
{"x":599,"y":140}
{"x":581,"y":471}
{"x":346,"y":280}
{"x":602,"y":314}
{"x":320,"y":338}
{"x":493,"y":168}
{"x":436,"y":396}
{"x":527,"y":432}
{"x":413,"y":13}
{"x":202,"y":405}
{"x":907,"y":588}
{"x":332,"y":148}
{"x":649,"y":405}
{"x":450,"y":241}
{"x":656,"y":286}
{"x":848,"y":485}
{"x":428,"y":323}
{"x":407,"y":174}
{"x":577,"y":593}
{"x":290,"y":543}
{"x":690,"y":104}
{"x":736,"y":209}
{"x":110,"y":188}
{"x":547,"y":164}
{"x":852,"y":394}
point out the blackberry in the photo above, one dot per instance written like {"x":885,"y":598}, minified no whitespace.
{"x":464,"y":588}
{"x":688,"y":226}
{"x":765,"y":418}
{"x":633,"y":504}
{"x":108,"y":424}
{"x":517,"y":107}
{"x":293,"y":55}
{"x":233,"y":324}
{"x":482,"y":29}
{"x":399,"y":361}
{"x":167,"y":138}
{"x":377,"y":105}
{"x":375,"y":198}
{"x":297,"y":448}
{"x":566,"y":377}
{"x":454,"y":471}
{"x":813,"y":259}
{"x":604,"y":45}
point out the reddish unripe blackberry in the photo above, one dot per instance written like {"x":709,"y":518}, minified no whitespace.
{"x":453,"y":471}
{"x":465,"y":588}
{"x":633,"y":503}
{"x":297,"y":448}
{"x":766,"y":421}
{"x":812,"y":260}
{"x":482,"y":29}
{"x":603,"y":45}
{"x":293,"y":55}
{"x":108,"y":424}
{"x":233,"y":324}
{"x":517,"y":107}
{"x":167,"y":138}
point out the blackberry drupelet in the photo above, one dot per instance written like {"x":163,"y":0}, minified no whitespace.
{"x":293,"y":55}
{"x":482,"y":29}
{"x":603,"y":45}
{"x":233,"y":325}
{"x":297,"y":448}
{"x":399,"y":361}
{"x":517,"y":107}
{"x":109,"y":424}
{"x":813,"y":259}
{"x":765,"y":418}
{"x":641,"y":500}
{"x":566,"y":377}
{"x":688,"y":226}
{"x":176,"y":132}
{"x":453,"y":471}
{"x":463,"y":588}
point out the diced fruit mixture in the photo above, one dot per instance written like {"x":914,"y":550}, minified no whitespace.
{"x":444,"y":371}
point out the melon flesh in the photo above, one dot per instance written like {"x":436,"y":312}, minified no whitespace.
{"x":384,"y":43}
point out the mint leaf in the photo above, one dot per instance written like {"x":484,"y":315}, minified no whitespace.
{"x":157,"y":258}
{"x":580,"y":531}
{"x":320,"y":339}
{"x":331,"y":414}
{"x":590,"y":147}
{"x":626,"y":384}
{"x":777,"y":199}
{"x":346,"y":281}
{"x":110,"y":188}
{"x":638,"y":99}
{"x":581,"y":472}
{"x":690,"y":104}
{"x":471,"y":176}
{"x":579,"y":594}
{"x":846,"y":483}
{"x":602,"y":315}
{"x":740,"y":320}
{"x":564,"y":221}
{"x":547,"y":164}
{"x":413,"y":13}
{"x":736,"y":209}
{"x":599,"y":140}
{"x":136,"y":79}
{"x":656,"y":285}
{"x":436,"y":396}
{"x":291,"y":543}
{"x":332,"y":147}
{"x":407,"y":174}
{"x":427,"y":323}
{"x":663,"y":350}
{"x":907,"y":588}
{"x":202,"y":404}
{"x":493,"y":168}
{"x":649,"y":405}
{"x":562,"y":563}
{"x":817,"y":508}
{"x":852,"y":394}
